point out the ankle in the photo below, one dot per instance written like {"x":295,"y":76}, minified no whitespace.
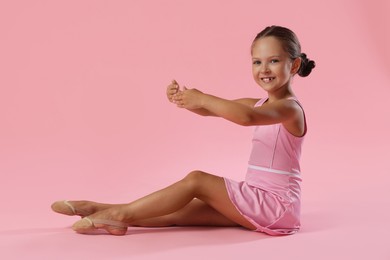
{"x":120,"y":213}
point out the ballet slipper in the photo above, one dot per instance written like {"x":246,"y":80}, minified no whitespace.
{"x":87,"y":226}
{"x":66,"y":208}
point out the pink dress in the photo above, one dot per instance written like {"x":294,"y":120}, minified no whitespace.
{"x":270,"y":195}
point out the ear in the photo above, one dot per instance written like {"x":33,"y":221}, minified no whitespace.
{"x":296,"y":65}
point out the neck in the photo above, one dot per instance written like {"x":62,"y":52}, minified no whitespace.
{"x":281,"y":93}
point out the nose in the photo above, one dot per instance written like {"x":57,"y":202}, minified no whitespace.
{"x":264,"y":68}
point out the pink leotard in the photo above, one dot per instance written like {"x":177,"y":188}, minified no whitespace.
{"x":270,"y":195}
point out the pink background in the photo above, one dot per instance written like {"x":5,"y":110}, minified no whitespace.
{"x":83,"y":115}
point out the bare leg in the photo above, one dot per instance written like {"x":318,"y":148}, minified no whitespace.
{"x":206,"y":187}
{"x":195,"y":213}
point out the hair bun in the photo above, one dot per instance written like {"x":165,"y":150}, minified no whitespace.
{"x":306,"y":66}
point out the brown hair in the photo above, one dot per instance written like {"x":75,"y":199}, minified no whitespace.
{"x":290,"y":44}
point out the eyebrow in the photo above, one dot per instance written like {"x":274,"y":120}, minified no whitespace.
{"x":273,"y":56}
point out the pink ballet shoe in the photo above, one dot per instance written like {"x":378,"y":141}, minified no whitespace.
{"x":89,"y":226}
{"x":64,"y":207}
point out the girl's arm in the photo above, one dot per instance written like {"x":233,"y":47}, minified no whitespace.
{"x":240,"y":111}
{"x":174,"y":88}
{"x":249,"y":102}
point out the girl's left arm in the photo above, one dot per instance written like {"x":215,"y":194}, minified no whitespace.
{"x":237,"y":112}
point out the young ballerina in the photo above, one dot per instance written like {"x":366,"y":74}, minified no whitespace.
{"x":269,"y":199}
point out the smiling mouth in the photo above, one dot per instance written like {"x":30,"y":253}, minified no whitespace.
{"x":267,"y":79}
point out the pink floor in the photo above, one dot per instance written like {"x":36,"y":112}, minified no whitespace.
{"x":83,"y":115}
{"x":350,"y":222}
{"x":330,"y":231}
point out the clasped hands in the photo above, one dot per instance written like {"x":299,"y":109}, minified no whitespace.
{"x":184,"y":98}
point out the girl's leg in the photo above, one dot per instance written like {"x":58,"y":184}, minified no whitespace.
{"x":195,"y":213}
{"x":206,"y":187}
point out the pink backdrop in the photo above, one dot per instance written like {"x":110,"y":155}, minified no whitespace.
{"x":84,"y":115}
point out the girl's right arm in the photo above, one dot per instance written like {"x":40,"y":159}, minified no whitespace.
{"x":250,"y":102}
{"x":174,"y":87}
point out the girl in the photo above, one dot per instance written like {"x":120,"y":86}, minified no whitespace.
{"x":269,"y":198}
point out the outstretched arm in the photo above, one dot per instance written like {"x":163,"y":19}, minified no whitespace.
{"x":238,"y":111}
{"x":173,"y":89}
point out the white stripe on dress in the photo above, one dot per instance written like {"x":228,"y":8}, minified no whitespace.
{"x":254,"y":167}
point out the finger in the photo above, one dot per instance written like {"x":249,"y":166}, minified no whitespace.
{"x":185,"y":88}
{"x":172,"y":91}
{"x":172,"y":85}
{"x":174,"y":82}
{"x":169,"y":90}
{"x":172,"y":98}
{"x":175,"y":97}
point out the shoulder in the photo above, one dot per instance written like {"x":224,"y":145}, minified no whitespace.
{"x":291,"y":103}
{"x":251,"y":102}
{"x":294,"y":105}
{"x":278,"y":111}
{"x":287,"y":104}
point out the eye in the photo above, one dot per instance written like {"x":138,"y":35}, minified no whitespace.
{"x":256,"y":62}
{"x":274,"y":61}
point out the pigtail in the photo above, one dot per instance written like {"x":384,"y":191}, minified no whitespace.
{"x":306,"y":66}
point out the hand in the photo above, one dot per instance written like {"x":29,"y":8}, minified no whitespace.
{"x":188,"y":98}
{"x":172,"y":89}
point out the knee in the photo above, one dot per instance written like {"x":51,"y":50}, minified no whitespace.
{"x":195,"y":178}
{"x":195,"y":175}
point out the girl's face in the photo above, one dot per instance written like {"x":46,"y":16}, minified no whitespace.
{"x":272,"y":67}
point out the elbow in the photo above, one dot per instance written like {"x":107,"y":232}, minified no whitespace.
{"x":246,"y":120}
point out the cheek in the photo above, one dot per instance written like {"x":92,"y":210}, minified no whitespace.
{"x":255,"y":75}
{"x":284,"y":71}
{"x":288,"y":68}
{"x":255,"y":71}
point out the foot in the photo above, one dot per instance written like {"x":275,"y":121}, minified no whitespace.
{"x":107,"y":220}
{"x":78,"y":208}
